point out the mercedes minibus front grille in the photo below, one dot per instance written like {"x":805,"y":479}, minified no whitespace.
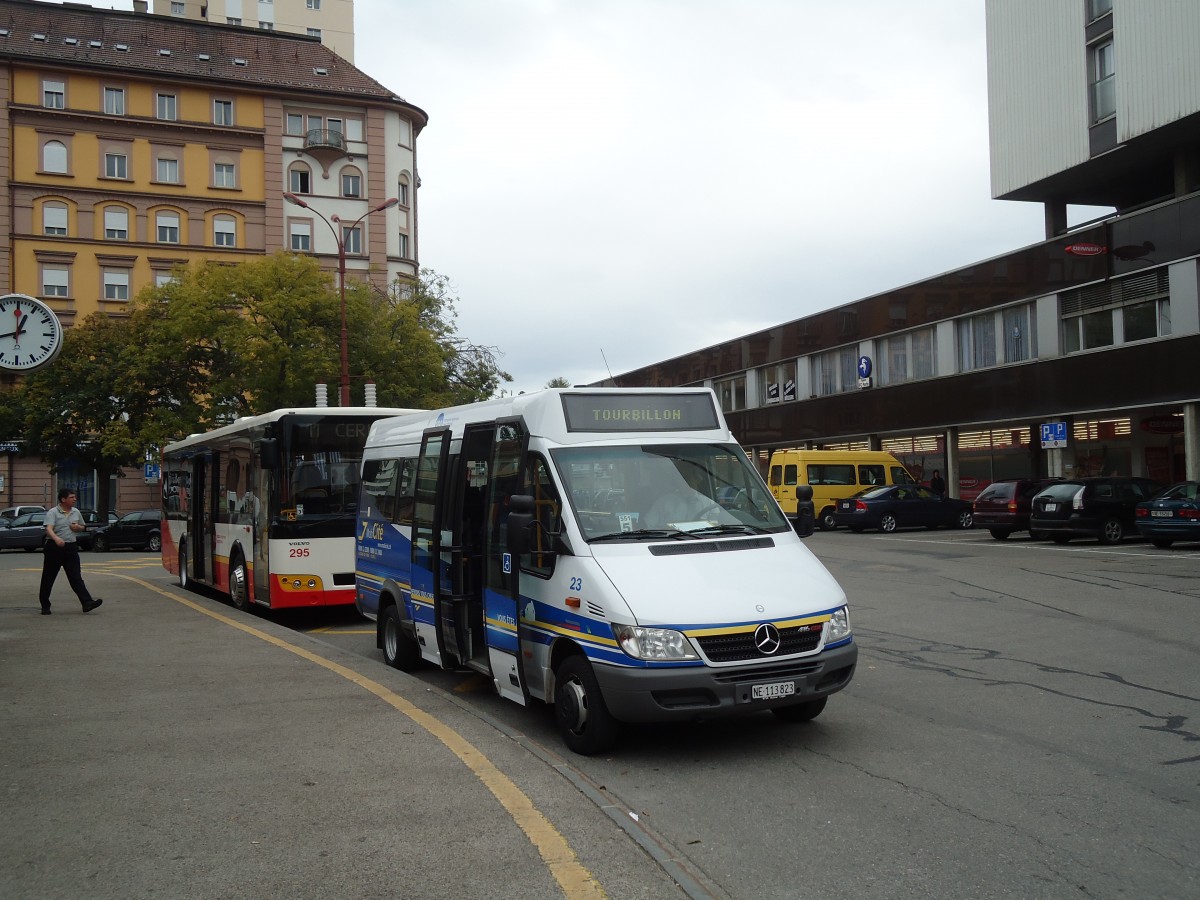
{"x":740,"y":645}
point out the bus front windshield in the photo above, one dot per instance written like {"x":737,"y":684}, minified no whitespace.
{"x":321,"y":469}
{"x":652,"y":490}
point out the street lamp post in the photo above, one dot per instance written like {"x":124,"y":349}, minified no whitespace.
{"x":340,"y":238}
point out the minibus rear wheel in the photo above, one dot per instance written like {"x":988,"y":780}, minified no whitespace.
{"x":586,"y":725}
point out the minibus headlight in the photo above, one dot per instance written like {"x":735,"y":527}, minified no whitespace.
{"x":653,"y":643}
{"x":839,"y":625}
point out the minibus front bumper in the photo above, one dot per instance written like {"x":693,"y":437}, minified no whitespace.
{"x":703,"y":692}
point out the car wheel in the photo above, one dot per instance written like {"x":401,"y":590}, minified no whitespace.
{"x":1000,"y":534}
{"x":801,"y":712}
{"x":887,"y":523}
{"x":239,"y":588}
{"x":586,"y":725}
{"x":1111,"y":531}
{"x":154,"y":545}
{"x":828,"y":522}
{"x":399,"y":650}
{"x":966,"y":519}
{"x":183,"y":563}
{"x":1061,"y":538}
{"x":100,"y":544}
{"x":1162,"y":543}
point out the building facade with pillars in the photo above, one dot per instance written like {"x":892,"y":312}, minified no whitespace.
{"x":132,"y":143}
{"x":329,"y":21}
{"x":1093,"y":330}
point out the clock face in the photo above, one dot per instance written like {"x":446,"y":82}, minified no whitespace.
{"x":30,"y":333}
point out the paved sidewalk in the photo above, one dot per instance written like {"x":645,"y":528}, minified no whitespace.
{"x":166,"y":745}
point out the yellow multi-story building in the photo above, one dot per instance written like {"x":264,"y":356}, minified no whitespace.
{"x":132,"y":143}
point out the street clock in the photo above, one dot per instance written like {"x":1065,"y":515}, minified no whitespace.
{"x":30,"y":334}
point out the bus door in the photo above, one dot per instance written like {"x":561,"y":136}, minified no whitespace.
{"x":198,"y":520}
{"x":501,"y":597}
{"x":430,"y":575}
{"x":468,"y":526}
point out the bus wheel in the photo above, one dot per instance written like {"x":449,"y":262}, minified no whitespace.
{"x":239,"y":592}
{"x":399,"y":650}
{"x":586,"y":725}
{"x":828,"y":522}
{"x":801,"y":712}
{"x":183,"y":575}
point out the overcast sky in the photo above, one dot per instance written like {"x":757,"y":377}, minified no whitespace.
{"x":636,"y":179}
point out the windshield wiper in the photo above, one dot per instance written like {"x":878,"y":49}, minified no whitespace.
{"x":731,"y":529}
{"x":641,"y":534}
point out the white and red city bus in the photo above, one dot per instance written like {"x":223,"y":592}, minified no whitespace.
{"x":264,"y":509}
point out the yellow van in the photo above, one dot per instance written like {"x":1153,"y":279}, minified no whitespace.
{"x":832,"y":474}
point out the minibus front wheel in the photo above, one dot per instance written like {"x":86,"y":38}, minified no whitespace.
{"x":399,"y":650}
{"x":586,"y":725}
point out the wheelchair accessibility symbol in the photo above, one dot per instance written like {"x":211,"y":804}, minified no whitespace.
{"x":507,"y":563}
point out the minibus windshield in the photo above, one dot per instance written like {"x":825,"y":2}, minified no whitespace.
{"x":654,"y":491}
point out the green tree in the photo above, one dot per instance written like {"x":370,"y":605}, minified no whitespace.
{"x":558,"y":382}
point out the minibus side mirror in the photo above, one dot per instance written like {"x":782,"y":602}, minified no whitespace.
{"x":520,"y":517}
{"x":268,"y":453}
{"x":805,"y":521}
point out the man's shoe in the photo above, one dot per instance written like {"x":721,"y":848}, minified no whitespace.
{"x":92,"y":605}
{"x":45,"y":610}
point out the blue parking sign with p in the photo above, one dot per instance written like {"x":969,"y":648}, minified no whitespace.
{"x":1054,"y":435}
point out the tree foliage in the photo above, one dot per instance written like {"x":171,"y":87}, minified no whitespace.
{"x":222,"y":341}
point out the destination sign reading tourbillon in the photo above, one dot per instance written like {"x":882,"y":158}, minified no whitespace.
{"x":639,"y":412}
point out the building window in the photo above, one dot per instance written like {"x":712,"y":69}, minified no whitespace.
{"x":777,"y":382}
{"x":1103,"y":83}
{"x":316,"y":4}
{"x":1020,"y":333}
{"x":402,"y":193}
{"x":54,"y":157}
{"x":977,"y":342}
{"x":114,"y":101}
{"x":55,"y":281}
{"x":835,"y":371}
{"x":224,"y":232}
{"x":167,"y":107}
{"x":1123,"y":310}
{"x":116,"y":284}
{"x":116,"y":165}
{"x":731,"y":393}
{"x":404,"y":246}
{"x":54,"y":219}
{"x":1098,"y":8}
{"x":300,"y":236}
{"x":222,"y":112}
{"x":352,"y":239}
{"x":161,"y":279}
{"x":167,"y":171}
{"x":295,"y":123}
{"x":233,"y":20}
{"x":266,"y":26}
{"x":224,"y":175}
{"x":298,"y":179}
{"x":176,"y":8}
{"x":351,"y":184}
{"x":54,"y":94}
{"x":314,"y":32}
{"x":116,"y":223}
{"x":167,"y":224}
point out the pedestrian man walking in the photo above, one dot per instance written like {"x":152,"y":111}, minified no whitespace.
{"x":61,"y":551}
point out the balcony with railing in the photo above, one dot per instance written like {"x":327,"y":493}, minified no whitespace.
{"x":325,"y":145}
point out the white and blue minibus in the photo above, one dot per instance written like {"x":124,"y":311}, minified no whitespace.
{"x":611,"y":552}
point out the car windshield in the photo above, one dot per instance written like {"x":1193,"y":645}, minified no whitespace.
{"x":657,"y":491}
{"x":874,"y":493}
{"x":1001,"y":490}
{"x":1185,"y":491}
{"x":1064,"y":491}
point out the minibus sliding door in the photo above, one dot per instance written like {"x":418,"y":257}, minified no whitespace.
{"x":429,"y":572}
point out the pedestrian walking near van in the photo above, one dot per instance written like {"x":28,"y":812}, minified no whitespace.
{"x":937,"y":484}
{"x":61,"y":551}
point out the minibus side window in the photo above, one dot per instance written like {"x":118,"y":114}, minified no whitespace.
{"x":828,"y":473}
{"x":871,"y":475}
{"x":547,"y":517}
{"x":379,"y":485}
{"x":900,"y":476}
{"x":406,"y":492}
{"x":776,"y":476}
{"x":789,"y":474}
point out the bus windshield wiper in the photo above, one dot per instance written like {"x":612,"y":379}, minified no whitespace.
{"x":731,"y":529}
{"x":643,"y":534}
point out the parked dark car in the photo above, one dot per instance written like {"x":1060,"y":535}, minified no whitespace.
{"x":1100,"y":507}
{"x":900,"y":506}
{"x":1174,"y":515}
{"x":1003,"y":506}
{"x":93,"y":523}
{"x":25,"y":532}
{"x":141,"y":529}
{"x":13,"y":511}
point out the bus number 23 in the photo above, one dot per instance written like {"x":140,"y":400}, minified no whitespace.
{"x":577,"y":584}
